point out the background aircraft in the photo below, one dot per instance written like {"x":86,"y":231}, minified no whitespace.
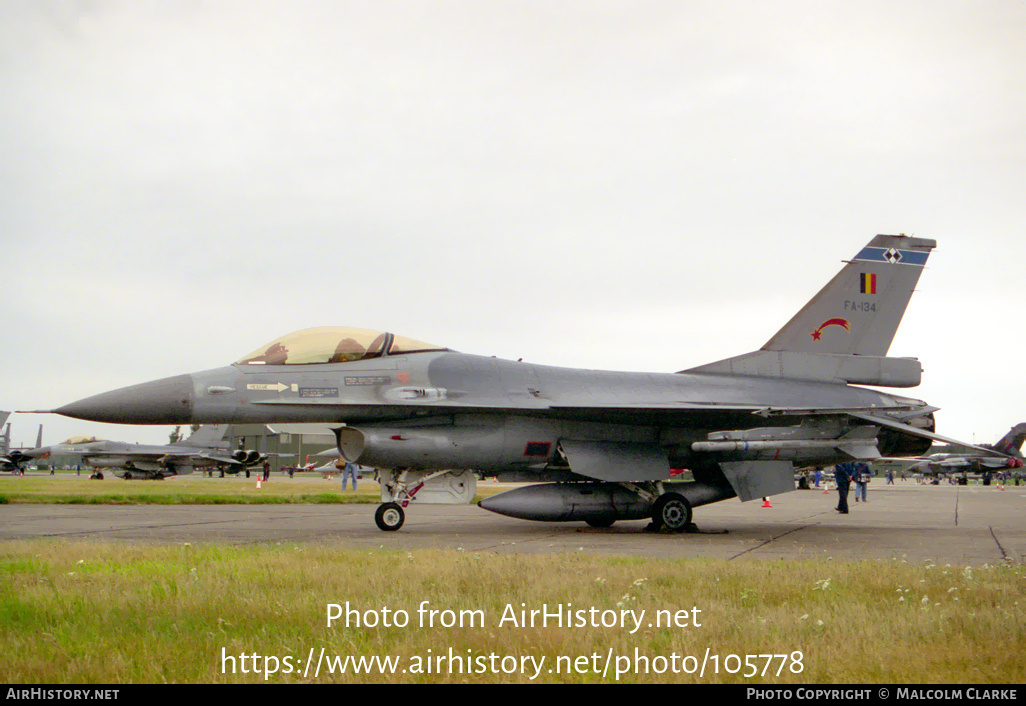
{"x":204,"y":449}
{"x":13,"y":459}
{"x":430,"y":418}
{"x":1006,"y":453}
{"x":308,"y":465}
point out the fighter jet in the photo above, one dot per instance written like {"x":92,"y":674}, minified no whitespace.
{"x":13,"y":459}
{"x":600,"y":443}
{"x":204,"y":449}
{"x":1006,"y":453}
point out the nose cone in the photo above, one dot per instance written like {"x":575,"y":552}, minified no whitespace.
{"x":41,"y":452}
{"x":167,"y":401}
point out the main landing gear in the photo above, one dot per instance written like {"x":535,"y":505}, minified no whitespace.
{"x":672,"y":511}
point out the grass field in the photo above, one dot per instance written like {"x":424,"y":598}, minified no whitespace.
{"x":194,"y":489}
{"x":119,"y":613}
{"x":124,"y":613}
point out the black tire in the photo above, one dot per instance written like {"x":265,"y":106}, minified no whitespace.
{"x":672,"y":511}
{"x":389,"y":517}
{"x":601,"y":522}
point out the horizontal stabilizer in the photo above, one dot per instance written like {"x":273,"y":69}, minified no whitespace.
{"x":921,"y":433}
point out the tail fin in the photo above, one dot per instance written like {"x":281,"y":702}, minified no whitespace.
{"x":1011,"y":443}
{"x":39,"y":437}
{"x":5,"y":439}
{"x":858,"y":312}
{"x":843,"y":334}
{"x":206,"y":435}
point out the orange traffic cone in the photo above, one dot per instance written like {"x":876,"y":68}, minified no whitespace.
{"x":766,"y":502}
{"x":258,"y":484}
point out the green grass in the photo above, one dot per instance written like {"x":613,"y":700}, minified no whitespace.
{"x":126,"y":613}
{"x":187,"y":490}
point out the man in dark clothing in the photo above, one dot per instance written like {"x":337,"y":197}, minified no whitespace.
{"x":842,"y":476}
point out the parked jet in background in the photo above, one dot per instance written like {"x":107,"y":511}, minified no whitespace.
{"x":431,"y":419}
{"x":307,"y":466}
{"x":204,"y":449}
{"x":1006,"y":453}
{"x":13,"y":459}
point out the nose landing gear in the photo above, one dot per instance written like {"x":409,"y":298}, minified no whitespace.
{"x":389,"y":517}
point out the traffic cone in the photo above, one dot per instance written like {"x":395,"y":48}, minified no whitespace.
{"x":766,"y":502}
{"x":258,"y":484}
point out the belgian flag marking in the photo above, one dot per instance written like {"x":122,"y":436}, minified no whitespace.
{"x":868,"y":283}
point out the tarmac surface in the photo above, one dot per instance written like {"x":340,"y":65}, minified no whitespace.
{"x":960,"y":525}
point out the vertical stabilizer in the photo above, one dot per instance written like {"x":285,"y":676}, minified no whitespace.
{"x":207,"y":435}
{"x":843,"y":334}
{"x":1011,"y":443}
{"x":858,"y":312}
{"x":39,"y":437}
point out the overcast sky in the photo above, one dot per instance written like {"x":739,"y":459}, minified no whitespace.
{"x":618,"y":185}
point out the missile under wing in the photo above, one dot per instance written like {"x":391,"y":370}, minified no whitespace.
{"x":604,"y":443}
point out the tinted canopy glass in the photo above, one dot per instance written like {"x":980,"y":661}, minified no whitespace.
{"x":331,"y":344}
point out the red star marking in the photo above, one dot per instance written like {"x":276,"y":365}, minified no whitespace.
{"x":843,"y":323}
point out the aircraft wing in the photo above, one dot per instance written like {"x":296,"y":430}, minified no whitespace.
{"x":219,"y":459}
{"x":957,"y":462}
{"x":177,"y":458}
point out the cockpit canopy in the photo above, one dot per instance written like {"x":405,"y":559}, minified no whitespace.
{"x":333,"y":344}
{"x":76,"y":440}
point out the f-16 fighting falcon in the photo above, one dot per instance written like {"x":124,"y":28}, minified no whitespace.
{"x":204,"y":449}
{"x":602,"y":444}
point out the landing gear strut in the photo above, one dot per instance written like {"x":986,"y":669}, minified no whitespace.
{"x":400,"y":487}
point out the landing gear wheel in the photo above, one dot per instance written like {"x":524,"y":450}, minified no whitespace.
{"x":389,"y":517}
{"x":672,"y":511}
{"x":601,"y":522}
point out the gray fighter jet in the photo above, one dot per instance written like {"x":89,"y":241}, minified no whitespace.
{"x":1006,"y":453}
{"x":13,"y":459}
{"x":603,"y":443}
{"x":204,"y":449}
